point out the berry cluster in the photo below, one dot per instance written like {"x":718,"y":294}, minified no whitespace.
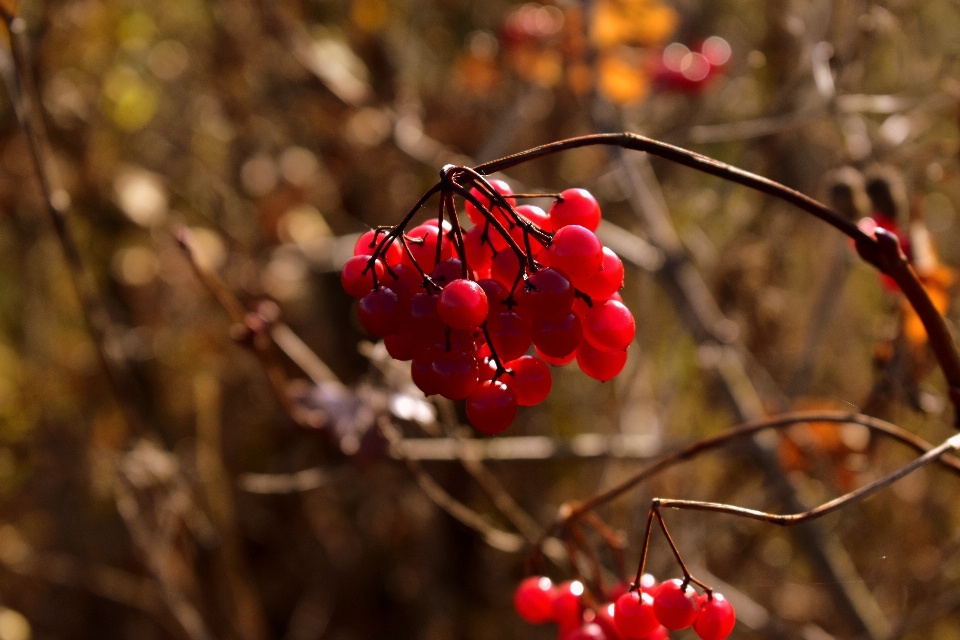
{"x":465,"y":306}
{"x":643,"y":612}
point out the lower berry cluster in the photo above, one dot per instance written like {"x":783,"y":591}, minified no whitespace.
{"x":466,"y":306}
{"x":647,"y":611}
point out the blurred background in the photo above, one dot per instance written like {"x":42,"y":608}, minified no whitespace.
{"x":260,"y":470}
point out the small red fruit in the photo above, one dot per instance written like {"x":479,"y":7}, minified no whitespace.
{"x":567,"y":609}
{"x":356,"y":278}
{"x":675,"y":605}
{"x":491,"y":407}
{"x":716,"y":618}
{"x":533,"y":599}
{"x":381,"y":312}
{"x":530,"y":381}
{"x":578,"y":206}
{"x":600,"y":365}
{"x":463,"y":304}
{"x":576,"y":251}
{"x":609,"y":326}
{"x":634,"y":615}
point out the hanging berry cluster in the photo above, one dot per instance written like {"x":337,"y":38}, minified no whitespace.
{"x":465,"y":306}
{"x":643,"y":612}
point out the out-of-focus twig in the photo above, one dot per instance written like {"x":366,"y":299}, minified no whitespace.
{"x":17,"y":70}
{"x":496,"y":538}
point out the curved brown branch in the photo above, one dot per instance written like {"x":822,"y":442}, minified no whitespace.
{"x":882,"y":251}
{"x":827,"y":507}
{"x":747,"y":430}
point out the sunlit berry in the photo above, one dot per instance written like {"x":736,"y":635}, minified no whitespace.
{"x":577,"y":206}
{"x":716,"y":618}
{"x":634,"y":615}
{"x":491,"y":407}
{"x":600,"y":365}
{"x":533,"y":599}
{"x":529,"y":379}
{"x":676,"y":605}
{"x":576,"y":251}
{"x":609,"y":326}
{"x":463,"y":304}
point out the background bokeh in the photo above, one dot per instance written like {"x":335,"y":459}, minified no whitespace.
{"x":252,"y":498}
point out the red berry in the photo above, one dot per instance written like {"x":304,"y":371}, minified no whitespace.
{"x":463,"y":304}
{"x":447,"y":271}
{"x":496,"y":294}
{"x":716,"y":618}
{"x":600,"y":365}
{"x":567,"y":609}
{"x":576,"y":251}
{"x":605,"y":282}
{"x":530,"y":381}
{"x":609,"y":326}
{"x":587,"y":631}
{"x":648,"y":584}
{"x":537,"y":216}
{"x":381,"y":312}
{"x":403,"y":279}
{"x":400,"y":345}
{"x":370,"y":240}
{"x":456,"y":374}
{"x":510,"y":333}
{"x":425,"y":252}
{"x":547,"y":294}
{"x":675,"y":605}
{"x":479,"y":254}
{"x":505,"y":268}
{"x":557,"y":362}
{"x":425,"y":320}
{"x":491,"y":407}
{"x":533,"y":599}
{"x":558,"y":339}
{"x":475,"y":214}
{"x":423,"y":375}
{"x":357,"y":278}
{"x":634,"y":615}
{"x":603,"y":616}
{"x":579,"y":207}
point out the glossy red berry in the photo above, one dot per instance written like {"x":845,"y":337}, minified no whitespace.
{"x":424,"y":319}
{"x":676,"y":605}
{"x":357,"y":278}
{"x":530,"y":380}
{"x":605,"y":282}
{"x":496,"y":295}
{"x":491,"y":407}
{"x":475,"y":214}
{"x":600,"y":365}
{"x":423,"y":375}
{"x":537,"y":216}
{"x":463,"y":304}
{"x":558,"y":339}
{"x":586,"y":631}
{"x":423,"y":246}
{"x":447,"y":271}
{"x":716,"y":618}
{"x":404,"y":280}
{"x":557,"y":362}
{"x":381,"y":312}
{"x":578,"y":206}
{"x":576,"y":251}
{"x":609,"y":326}
{"x":401,"y":345}
{"x":567,"y":608}
{"x":634,"y":615}
{"x":547,"y":294}
{"x":505,"y":268}
{"x":370,"y":240}
{"x":456,"y":374}
{"x":510,"y":333}
{"x":479,"y":254}
{"x":533,"y":599}
{"x":603,"y":616}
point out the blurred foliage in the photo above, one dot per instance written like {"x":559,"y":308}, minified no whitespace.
{"x":270,"y":128}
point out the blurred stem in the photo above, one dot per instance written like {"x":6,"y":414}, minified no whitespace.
{"x":248,"y":618}
{"x":17,"y":71}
